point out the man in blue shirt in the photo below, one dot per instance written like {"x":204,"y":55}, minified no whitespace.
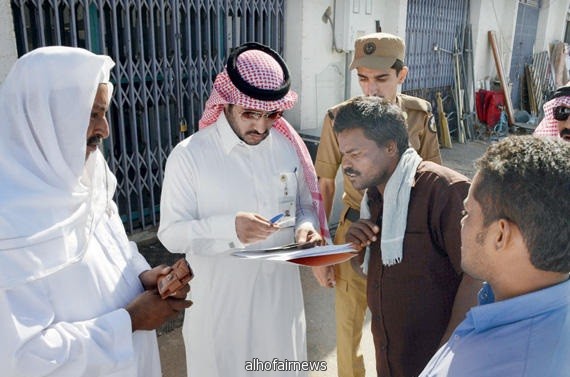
{"x":516,"y":236}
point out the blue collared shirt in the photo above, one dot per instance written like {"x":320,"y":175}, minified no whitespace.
{"x":527,"y":336}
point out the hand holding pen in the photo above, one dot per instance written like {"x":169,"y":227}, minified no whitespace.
{"x":252,"y":227}
{"x":276,"y":218}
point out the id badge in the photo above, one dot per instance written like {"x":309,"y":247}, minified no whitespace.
{"x":287,"y":198}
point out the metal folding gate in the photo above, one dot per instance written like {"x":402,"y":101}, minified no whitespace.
{"x":167,"y":53}
{"x":525,"y":36}
{"x":431,"y":27}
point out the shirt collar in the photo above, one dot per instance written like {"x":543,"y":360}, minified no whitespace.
{"x":230,"y":140}
{"x":518,"y":308}
{"x":398,"y":102}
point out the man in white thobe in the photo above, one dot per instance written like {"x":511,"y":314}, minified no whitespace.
{"x":76,"y":297}
{"x":222,"y":186}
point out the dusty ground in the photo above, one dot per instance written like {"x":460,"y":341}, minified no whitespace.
{"x":319,"y":302}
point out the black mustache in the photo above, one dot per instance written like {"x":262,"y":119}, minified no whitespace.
{"x":348,"y":171}
{"x":256,"y":133}
{"x":565,"y":132}
{"x":95,"y":140}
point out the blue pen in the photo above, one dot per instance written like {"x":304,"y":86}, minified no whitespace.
{"x":276,"y":218}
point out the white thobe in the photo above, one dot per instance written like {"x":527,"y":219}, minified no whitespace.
{"x":243,"y":309}
{"x":71,"y":323}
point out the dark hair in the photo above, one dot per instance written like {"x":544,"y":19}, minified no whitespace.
{"x":380,"y":120}
{"x":526,"y":180}
{"x":397,"y":66}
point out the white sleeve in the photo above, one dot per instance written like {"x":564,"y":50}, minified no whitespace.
{"x":306,"y":216}
{"x":137,"y":261}
{"x":34,"y":344}
{"x":180,"y":230}
{"x":114,"y":226}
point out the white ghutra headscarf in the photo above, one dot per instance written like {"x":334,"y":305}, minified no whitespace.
{"x":50,"y":197}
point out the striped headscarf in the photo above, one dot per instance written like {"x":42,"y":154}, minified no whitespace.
{"x":549,"y":126}
{"x":261,"y":73}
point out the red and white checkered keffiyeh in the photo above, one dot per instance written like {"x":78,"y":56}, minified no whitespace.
{"x":549,"y":126}
{"x":262,"y":71}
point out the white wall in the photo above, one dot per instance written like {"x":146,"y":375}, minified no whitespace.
{"x":501,"y":17}
{"x":8,"y":52}
{"x":392,"y":15}
{"x":308,"y":54}
{"x":318,"y":72}
{"x":551,"y":23}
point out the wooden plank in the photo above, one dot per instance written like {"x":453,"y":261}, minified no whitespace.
{"x":443,"y":126}
{"x":531,"y":90}
{"x":500,"y":72}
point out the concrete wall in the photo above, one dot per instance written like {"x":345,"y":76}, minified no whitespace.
{"x":317,"y":71}
{"x":551,"y":23}
{"x":499,"y":16}
{"x":392,"y":15}
{"x":8,"y":52}
{"x":309,"y":56}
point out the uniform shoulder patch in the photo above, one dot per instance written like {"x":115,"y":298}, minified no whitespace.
{"x":431,"y":124}
{"x":331,"y":112}
{"x":414,"y":103}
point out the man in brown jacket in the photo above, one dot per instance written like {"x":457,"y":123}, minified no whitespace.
{"x":410,"y":227}
{"x":379,"y":62}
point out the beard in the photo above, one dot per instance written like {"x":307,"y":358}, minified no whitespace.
{"x":259,"y":137}
{"x":250,"y":137}
{"x":95,"y":140}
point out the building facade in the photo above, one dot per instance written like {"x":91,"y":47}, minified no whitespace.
{"x":168,"y":52}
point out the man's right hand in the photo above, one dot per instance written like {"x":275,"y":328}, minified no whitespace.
{"x":148,"y":311}
{"x":252,"y":227}
{"x":362,"y":233}
{"x":325,"y":276}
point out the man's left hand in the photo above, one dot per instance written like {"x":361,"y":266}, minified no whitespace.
{"x":304,"y":234}
{"x":149,"y":277}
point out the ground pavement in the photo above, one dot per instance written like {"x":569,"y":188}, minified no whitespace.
{"x":319,"y":302}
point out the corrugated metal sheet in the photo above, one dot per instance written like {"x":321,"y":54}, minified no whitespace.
{"x":432,"y":23}
{"x":525,"y":36}
{"x":431,"y":28}
{"x":167,"y":53}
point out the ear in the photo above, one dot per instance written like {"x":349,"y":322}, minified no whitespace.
{"x":392,"y":148}
{"x":509,"y":242}
{"x":403,"y":74}
{"x":505,"y":235}
{"x":227,"y":109}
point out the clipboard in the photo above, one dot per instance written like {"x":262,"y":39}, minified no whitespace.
{"x":289,"y":247}
{"x":304,"y":254}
